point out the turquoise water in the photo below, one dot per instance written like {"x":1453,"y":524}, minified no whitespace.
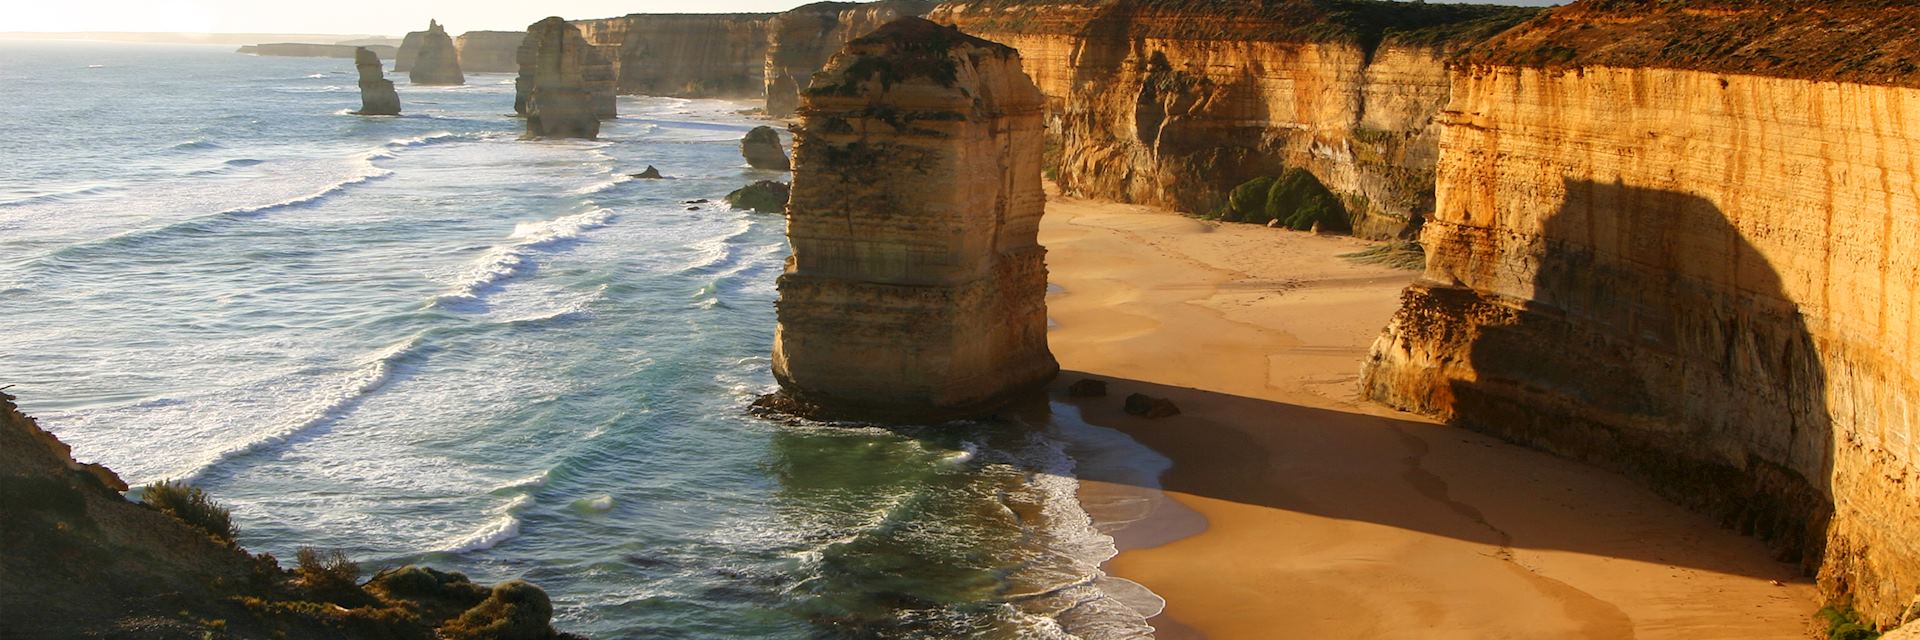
{"x":420,"y":339}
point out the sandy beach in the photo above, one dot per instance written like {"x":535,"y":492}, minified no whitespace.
{"x":1299,"y":510}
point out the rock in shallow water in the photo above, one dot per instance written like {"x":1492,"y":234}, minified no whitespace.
{"x":762,"y":149}
{"x":765,"y":196}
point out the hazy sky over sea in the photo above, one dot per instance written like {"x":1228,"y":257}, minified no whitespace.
{"x":387,"y":18}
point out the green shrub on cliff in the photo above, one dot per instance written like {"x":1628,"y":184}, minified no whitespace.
{"x":192,"y":506}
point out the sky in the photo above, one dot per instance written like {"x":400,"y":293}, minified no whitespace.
{"x":393,"y":17}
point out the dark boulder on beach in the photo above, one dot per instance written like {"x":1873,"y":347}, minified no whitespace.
{"x":1146,"y":406}
{"x":1087,"y":388}
{"x":762,"y":150}
{"x":377,"y":97}
{"x":765,"y":196}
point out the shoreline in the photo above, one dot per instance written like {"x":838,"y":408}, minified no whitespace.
{"x":1292,"y":505}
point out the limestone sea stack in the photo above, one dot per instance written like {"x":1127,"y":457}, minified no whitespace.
{"x":377,"y":97}
{"x":916,"y":290}
{"x":437,"y":61}
{"x":762,"y":149}
{"x":565,"y":84}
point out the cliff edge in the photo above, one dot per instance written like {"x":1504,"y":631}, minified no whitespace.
{"x":1174,"y":103}
{"x":1675,"y":239}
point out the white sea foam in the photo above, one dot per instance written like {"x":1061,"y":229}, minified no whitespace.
{"x":505,"y":526}
{"x":507,"y":261}
{"x":330,"y":404}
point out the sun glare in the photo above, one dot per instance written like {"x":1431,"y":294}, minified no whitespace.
{"x":110,"y":15}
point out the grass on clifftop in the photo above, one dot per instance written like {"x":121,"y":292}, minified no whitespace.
{"x":1365,"y":23}
{"x":1864,"y":41}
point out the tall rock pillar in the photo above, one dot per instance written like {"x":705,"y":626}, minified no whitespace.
{"x":917,"y":287}
{"x":565,"y":84}
{"x":377,"y":97}
{"x":436,"y":61}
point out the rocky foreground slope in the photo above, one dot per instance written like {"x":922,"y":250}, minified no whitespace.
{"x":77,"y":560}
{"x":1677,"y":238}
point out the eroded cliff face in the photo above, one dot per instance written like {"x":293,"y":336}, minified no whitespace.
{"x":917,"y":286}
{"x":800,"y":41}
{"x":684,"y":55}
{"x":1707,"y":280}
{"x":1175,"y":103}
{"x":489,"y":51}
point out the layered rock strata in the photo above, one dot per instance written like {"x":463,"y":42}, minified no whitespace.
{"x":565,"y":84}
{"x":684,"y":55}
{"x":377,"y":97}
{"x":435,"y":61}
{"x":916,"y":290}
{"x":1705,"y":279}
{"x":489,"y":51}
{"x":78,"y":560}
{"x":761,"y":147}
{"x":1173,"y":103}
{"x":801,"y":40}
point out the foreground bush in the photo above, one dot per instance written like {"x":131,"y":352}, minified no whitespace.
{"x":192,"y":506}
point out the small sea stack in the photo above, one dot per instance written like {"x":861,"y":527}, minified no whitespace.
{"x":436,"y":61}
{"x":564,"y":86}
{"x":762,"y":149}
{"x":917,"y":288}
{"x":377,"y":97}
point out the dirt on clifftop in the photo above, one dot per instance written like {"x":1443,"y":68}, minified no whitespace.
{"x":1861,"y":41}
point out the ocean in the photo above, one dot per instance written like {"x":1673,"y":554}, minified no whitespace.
{"x":423,"y":340}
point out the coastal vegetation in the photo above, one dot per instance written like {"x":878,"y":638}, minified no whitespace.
{"x":1295,"y":198}
{"x":192,"y":506}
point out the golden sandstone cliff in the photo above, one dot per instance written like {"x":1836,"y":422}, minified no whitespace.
{"x":718,"y":55}
{"x":917,"y":287}
{"x":489,"y":51}
{"x":800,"y":41}
{"x":1678,"y":239}
{"x":1173,"y":103}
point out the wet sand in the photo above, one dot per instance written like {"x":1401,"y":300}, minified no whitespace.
{"x":1299,"y":510}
